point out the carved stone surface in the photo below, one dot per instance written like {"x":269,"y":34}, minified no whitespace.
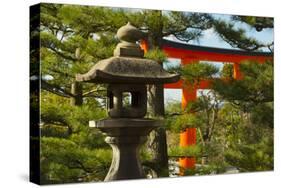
{"x":129,"y":33}
{"x":128,"y":70}
{"x":137,"y":102}
{"x":125,"y":160}
{"x":125,"y":137}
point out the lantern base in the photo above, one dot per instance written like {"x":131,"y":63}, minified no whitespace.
{"x":125,"y":136}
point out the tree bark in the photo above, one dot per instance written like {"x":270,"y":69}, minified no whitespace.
{"x":157,"y":139}
{"x":77,"y":92}
{"x":157,"y":142}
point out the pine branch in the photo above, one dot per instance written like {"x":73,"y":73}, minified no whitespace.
{"x":61,"y":73}
{"x":91,"y":91}
{"x":172,"y":32}
{"x":173,"y":114}
{"x":55,"y":89}
{"x":262,"y":22}
{"x":187,"y":36}
{"x":62,"y":54}
{"x":236,"y":37}
{"x":95,"y":96}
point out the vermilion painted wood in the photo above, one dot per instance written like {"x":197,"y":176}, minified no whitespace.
{"x":193,"y":55}
{"x":187,"y":138}
{"x":187,"y":163}
{"x":188,"y":95}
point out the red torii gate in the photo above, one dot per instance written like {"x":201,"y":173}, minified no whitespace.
{"x":193,"y":54}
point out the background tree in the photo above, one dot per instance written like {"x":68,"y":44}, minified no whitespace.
{"x":254,"y":98}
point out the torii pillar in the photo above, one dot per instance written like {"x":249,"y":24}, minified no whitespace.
{"x":236,"y":71}
{"x":188,"y":136}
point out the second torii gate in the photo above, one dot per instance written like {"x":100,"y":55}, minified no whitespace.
{"x":194,"y":54}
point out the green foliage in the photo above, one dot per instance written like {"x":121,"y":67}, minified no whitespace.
{"x":173,"y":107}
{"x":227,"y":71}
{"x":187,"y":26}
{"x":237,"y":38}
{"x":70,"y":151}
{"x":156,"y":54}
{"x":248,"y":118}
{"x":55,"y":131}
{"x":262,"y":114}
{"x":190,"y":151}
{"x":258,"y":22}
{"x":71,"y":45}
{"x":181,"y":122}
{"x":255,"y":87}
{"x":252,"y":157}
{"x":62,"y":161}
{"x":196,"y":72}
{"x":57,"y":111}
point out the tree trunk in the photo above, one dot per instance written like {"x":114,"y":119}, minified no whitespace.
{"x":76,"y":91}
{"x":157,"y":139}
{"x":158,"y":142}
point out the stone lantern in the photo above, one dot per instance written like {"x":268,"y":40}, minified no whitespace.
{"x":127,"y":73}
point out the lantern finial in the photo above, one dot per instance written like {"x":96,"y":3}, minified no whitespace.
{"x":129,"y":35}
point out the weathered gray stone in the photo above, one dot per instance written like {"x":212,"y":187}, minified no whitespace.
{"x":129,"y":33}
{"x":128,"y":70}
{"x":138,"y":103}
{"x":125,"y":137}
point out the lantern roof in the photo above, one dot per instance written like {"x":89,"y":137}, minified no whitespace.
{"x":128,"y":70}
{"x":128,"y":65}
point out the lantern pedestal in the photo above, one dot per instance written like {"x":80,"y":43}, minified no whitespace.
{"x":125,"y":136}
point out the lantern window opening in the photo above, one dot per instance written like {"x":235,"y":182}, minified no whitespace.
{"x":127,"y":99}
{"x":110,"y":100}
{"x":135,"y":99}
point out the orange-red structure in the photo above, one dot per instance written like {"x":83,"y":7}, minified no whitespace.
{"x":194,"y":54}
